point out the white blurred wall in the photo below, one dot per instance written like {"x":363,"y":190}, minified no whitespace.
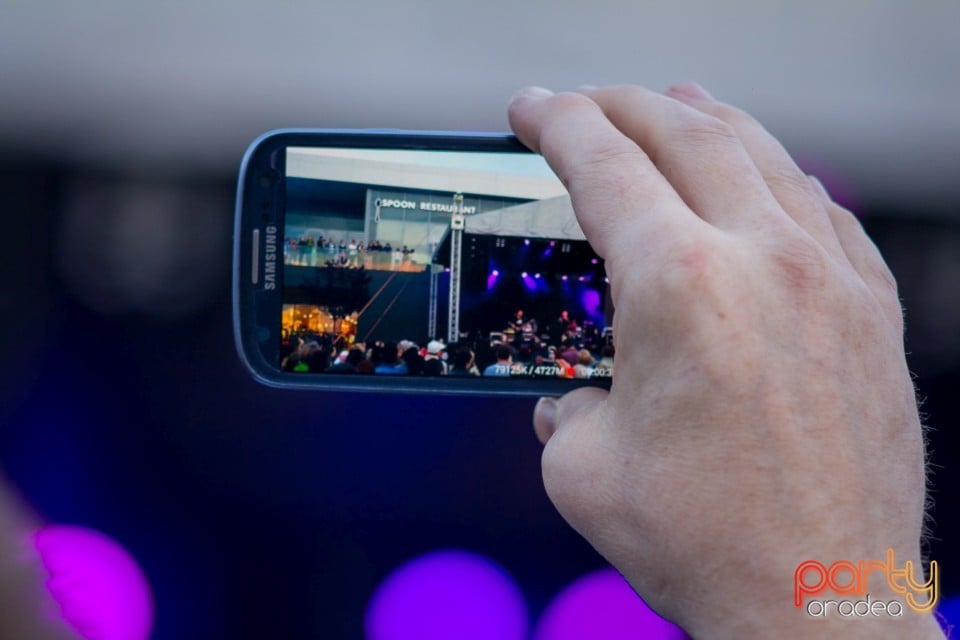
{"x":869,"y":89}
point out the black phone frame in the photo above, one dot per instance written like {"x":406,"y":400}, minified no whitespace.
{"x":261,"y":203}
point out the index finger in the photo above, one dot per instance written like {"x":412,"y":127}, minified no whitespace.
{"x":619,"y":196}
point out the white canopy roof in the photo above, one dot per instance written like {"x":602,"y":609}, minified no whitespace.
{"x":396,"y":169}
{"x":551,"y":218}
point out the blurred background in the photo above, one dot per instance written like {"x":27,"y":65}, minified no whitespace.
{"x":261,"y":513}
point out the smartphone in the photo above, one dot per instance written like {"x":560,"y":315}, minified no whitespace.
{"x":411,"y":261}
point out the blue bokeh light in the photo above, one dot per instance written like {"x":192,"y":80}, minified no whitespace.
{"x":948,"y":613}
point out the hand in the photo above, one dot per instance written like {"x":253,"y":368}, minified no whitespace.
{"x":761,"y":412}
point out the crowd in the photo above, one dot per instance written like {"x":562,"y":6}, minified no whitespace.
{"x":310,"y":252}
{"x":316,"y":353}
{"x":566,"y":361}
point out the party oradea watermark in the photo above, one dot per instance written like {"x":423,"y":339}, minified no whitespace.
{"x":813,"y":582}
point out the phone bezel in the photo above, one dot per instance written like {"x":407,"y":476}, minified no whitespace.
{"x":256,"y":310}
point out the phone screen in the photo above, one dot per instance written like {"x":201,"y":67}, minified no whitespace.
{"x":410,"y":262}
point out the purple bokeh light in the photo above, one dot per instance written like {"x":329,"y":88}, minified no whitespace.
{"x":602,"y":605}
{"x":102,"y":592}
{"x":492,"y":279}
{"x":837,"y":185}
{"x":447,"y":594}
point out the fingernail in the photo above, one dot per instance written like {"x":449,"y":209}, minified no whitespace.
{"x":586,"y":88}
{"x":691,"y":90}
{"x":532,"y":93}
{"x":545,"y":413}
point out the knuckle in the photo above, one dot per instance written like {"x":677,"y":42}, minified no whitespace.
{"x":683,"y":276}
{"x":691,"y":269}
{"x":609,"y":155}
{"x":844,"y":219}
{"x":801,"y":263}
{"x":569,"y":100}
{"x":697,"y":129}
{"x":875,"y":269}
{"x":608,"y":162}
{"x":736,"y":118}
{"x":787,"y":177}
{"x":608,"y":158}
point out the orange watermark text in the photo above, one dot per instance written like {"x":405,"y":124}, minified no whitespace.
{"x":846,"y":578}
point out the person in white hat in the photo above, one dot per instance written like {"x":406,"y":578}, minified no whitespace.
{"x":435,"y":361}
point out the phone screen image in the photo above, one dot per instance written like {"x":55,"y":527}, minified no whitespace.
{"x":406,"y":262}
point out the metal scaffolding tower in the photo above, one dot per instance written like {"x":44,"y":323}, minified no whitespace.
{"x":457,"y":221}
{"x":435,"y":271}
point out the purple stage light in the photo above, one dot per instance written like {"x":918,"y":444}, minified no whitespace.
{"x":101,"y":590}
{"x":495,"y":273}
{"x":590,"y":300}
{"x":564,"y":277}
{"x":523,"y":275}
{"x":607,"y":280}
{"x":948,"y":612}
{"x":446,"y":269}
{"x":526,"y":242}
{"x":582,"y":278}
{"x":447,"y":594}
{"x":553,"y":243}
{"x":593,"y":261}
{"x":602,"y":605}
{"x":537,"y":276}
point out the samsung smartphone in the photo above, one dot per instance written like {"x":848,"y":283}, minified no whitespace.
{"x":414,"y":262}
